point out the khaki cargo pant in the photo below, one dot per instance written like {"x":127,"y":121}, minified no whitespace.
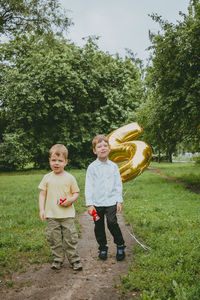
{"x":62,"y":238}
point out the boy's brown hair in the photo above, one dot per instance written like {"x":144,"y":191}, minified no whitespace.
{"x":59,"y":149}
{"x":98,"y":139}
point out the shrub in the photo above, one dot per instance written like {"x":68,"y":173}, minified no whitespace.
{"x":155,"y":157}
{"x":197,"y":159}
{"x":13,"y":154}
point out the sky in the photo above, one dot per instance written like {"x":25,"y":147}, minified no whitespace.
{"x":120,"y":24}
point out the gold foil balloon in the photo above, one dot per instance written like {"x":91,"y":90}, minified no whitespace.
{"x":136,"y":154}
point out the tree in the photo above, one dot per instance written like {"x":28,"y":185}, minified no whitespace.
{"x":172,"y":79}
{"x":40,"y":16}
{"x":56,"y":92}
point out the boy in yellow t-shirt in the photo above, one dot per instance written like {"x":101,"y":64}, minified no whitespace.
{"x":54,"y":187}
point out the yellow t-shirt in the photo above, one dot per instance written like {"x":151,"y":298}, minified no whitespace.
{"x":58,"y":186}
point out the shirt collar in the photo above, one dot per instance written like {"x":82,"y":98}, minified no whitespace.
{"x":98,"y":162}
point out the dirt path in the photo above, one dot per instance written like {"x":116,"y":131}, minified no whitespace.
{"x":95,"y":282}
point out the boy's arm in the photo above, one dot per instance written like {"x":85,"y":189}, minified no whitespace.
{"x":70,"y":200}
{"x":42,"y":198}
{"x":119,"y":188}
{"x":89,"y":191}
{"x":119,"y":207}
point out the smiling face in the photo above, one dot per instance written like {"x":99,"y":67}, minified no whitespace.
{"x":102,"y":150}
{"x":57,"y":163}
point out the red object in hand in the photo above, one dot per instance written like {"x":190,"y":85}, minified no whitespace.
{"x":95,"y":216}
{"x":60,"y":201}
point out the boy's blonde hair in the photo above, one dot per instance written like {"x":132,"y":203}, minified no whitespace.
{"x":98,"y":139}
{"x":58,"y":149}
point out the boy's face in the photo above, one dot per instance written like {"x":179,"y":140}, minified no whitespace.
{"x":57,"y":163}
{"x":102,"y":150}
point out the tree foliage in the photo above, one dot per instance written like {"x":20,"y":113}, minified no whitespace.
{"x":56,"y":92}
{"x":173,"y":82}
{"x":39,"y":16}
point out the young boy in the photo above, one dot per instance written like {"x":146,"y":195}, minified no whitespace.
{"x":103,"y":193}
{"x":54,"y":187}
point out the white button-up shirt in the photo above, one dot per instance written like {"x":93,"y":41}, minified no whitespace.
{"x":103,"y":184}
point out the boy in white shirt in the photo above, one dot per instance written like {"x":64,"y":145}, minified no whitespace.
{"x":55,"y":186}
{"x":103,"y":193}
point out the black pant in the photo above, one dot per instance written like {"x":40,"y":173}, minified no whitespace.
{"x":99,"y":229}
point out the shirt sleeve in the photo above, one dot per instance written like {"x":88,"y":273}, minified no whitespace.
{"x":89,"y":190}
{"x":43,"y":184}
{"x":74,"y":186}
{"x":118,"y":185}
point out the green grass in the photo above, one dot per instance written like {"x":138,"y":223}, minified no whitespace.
{"x":22,"y":234}
{"x":165,"y":217}
{"x":162,"y":214}
{"x":188,"y":172}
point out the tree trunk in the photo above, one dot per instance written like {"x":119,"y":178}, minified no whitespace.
{"x":159,"y":156}
{"x":170,"y":157}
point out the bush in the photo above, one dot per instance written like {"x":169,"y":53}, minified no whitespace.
{"x":13,"y":155}
{"x":197,"y":159}
{"x":155,"y":157}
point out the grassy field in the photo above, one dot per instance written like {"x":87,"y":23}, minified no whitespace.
{"x":188,"y":172}
{"x":162,"y":214}
{"x":165,"y":217}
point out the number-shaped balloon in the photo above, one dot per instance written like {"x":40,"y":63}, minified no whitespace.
{"x":136,"y":154}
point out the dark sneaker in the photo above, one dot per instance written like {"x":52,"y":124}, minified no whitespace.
{"x":77,"y":266}
{"x":103,"y":254}
{"x":56,"y":265}
{"x":120,"y":253}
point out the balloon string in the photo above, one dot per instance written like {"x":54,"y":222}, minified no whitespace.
{"x":132,"y":235}
{"x":143,"y":246}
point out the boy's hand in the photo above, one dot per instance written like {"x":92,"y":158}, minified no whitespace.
{"x":119,"y":207}
{"x":67,"y":202}
{"x":42,"y":215}
{"x":90,"y":209}
{"x":70,"y":200}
